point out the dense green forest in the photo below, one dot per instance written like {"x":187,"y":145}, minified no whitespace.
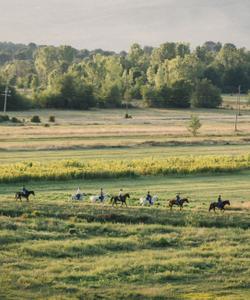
{"x":171,"y":75}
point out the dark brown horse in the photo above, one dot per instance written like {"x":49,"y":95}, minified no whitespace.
{"x":115,"y":199}
{"x":221,"y":206}
{"x":20,"y":195}
{"x":178,"y":203}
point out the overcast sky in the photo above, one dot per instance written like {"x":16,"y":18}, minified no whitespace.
{"x":116,"y":24}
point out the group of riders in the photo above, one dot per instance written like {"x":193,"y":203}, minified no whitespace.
{"x":78,"y":196}
{"x":148,"y":197}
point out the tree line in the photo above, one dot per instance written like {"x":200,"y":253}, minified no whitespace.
{"x":171,"y":75}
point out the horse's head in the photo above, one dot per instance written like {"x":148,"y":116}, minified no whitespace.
{"x":127,"y":195}
{"x":227,"y":202}
{"x":185,"y":200}
{"x":32,"y":193}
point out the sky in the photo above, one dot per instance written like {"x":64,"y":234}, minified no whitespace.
{"x":116,"y":24}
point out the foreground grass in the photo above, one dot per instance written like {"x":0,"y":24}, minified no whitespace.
{"x":51,"y":248}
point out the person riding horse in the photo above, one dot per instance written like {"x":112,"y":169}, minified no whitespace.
{"x":101,"y":196}
{"x":220,"y":202}
{"x":24,"y":191}
{"x":120,"y":194}
{"x":149,"y":198}
{"x":78,"y":194}
{"x":178,"y":199}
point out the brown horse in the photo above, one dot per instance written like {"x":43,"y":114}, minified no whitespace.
{"x":115,"y":199}
{"x":20,"y":195}
{"x":178,"y":203}
{"x":215,"y":205}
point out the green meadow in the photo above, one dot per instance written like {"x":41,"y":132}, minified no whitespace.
{"x":55,"y":248}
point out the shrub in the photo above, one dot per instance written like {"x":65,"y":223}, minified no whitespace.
{"x":35,"y":119}
{"x":127,"y":116}
{"x":206,"y":95}
{"x":52,"y":119}
{"x":15,"y":120}
{"x":194,"y":125}
{"x":4,"y":118}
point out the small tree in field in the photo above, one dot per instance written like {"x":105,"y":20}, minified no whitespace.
{"x":194,"y":125}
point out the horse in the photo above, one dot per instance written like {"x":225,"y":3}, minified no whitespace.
{"x":178,"y":203}
{"x":20,"y":195}
{"x":95,"y":199}
{"x":78,"y":198}
{"x":115,"y":199}
{"x":214,"y":205}
{"x":143,"y":200}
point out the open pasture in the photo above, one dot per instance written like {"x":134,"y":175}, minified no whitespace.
{"x":97,"y":129}
{"x":53,"y":248}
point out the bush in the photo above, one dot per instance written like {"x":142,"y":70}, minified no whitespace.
{"x":206,"y":95}
{"x":35,"y":119}
{"x":4,"y":118}
{"x":52,"y":119}
{"x":194,"y":125}
{"x":15,"y":120}
{"x":127,"y":116}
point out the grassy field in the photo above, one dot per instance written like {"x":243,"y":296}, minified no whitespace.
{"x":53,"y":248}
{"x":104,"y":129}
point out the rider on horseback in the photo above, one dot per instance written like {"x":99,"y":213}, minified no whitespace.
{"x":101,"y":196}
{"x":149,"y":198}
{"x":78,"y":194}
{"x":178,"y":199}
{"x":24,"y":191}
{"x":219,"y":202}
{"x":120,"y":194}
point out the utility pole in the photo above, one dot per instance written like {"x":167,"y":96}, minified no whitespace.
{"x":237,"y":109}
{"x":6,"y":94}
{"x":239,"y":94}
